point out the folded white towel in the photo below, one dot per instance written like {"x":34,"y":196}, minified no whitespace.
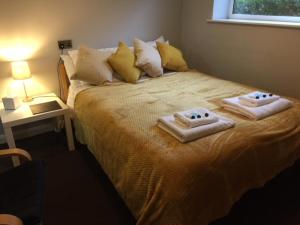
{"x":256,"y":113}
{"x":256,"y":99}
{"x":195,"y":117}
{"x":184,"y":134}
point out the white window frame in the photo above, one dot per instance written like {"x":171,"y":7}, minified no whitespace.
{"x":260,"y":17}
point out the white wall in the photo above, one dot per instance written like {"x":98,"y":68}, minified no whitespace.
{"x":265,"y":57}
{"x":34,"y":26}
{"x":31,"y":28}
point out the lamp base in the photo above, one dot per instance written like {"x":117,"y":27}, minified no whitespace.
{"x":28,"y":99}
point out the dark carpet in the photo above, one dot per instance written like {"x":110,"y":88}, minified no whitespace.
{"x":79,"y":192}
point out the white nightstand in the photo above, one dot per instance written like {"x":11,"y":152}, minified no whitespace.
{"x":23,"y":115}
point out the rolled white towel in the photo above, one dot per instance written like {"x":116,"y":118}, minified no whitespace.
{"x":256,"y":113}
{"x":195,"y":117}
{"x":183,"y":134}
{"x":256,"y":99}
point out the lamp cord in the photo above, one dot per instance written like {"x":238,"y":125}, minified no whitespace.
{"x":25,"y":89}
{"x":58,"y":73}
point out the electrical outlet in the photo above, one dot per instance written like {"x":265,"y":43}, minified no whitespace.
{"x":65,"y":44}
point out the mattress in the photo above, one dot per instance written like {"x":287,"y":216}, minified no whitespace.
{"x":165,"y":182}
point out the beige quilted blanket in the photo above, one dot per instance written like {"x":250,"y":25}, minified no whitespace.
{"x":164,"y":182}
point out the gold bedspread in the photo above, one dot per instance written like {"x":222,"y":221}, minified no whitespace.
{"x":164,"y":182}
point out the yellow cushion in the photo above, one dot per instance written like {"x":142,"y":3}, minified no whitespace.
{"x":172,"y":58}
{"x":123,"y":62}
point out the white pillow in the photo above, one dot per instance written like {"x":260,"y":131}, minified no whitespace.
{"x":92,"y":66}
{"x":69,"y":66}
{"x":74,"y":56}
{"x":74,"y":53}
{"x":148,"y":58}
{"x":71,"y":70}
{"x":160,"y":39}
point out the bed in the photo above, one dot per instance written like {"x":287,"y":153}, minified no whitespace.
{"x":164,"y":182}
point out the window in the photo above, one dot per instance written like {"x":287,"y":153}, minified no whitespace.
{"x":271,"y":10}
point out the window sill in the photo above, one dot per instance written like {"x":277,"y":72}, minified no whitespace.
{"x":256,"y":23}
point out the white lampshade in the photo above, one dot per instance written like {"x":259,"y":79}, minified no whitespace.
{"x":20,"y":70}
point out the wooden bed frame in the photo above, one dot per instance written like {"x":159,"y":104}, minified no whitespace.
{"x":63,"y":82}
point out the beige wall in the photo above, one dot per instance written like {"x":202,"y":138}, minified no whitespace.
{"x":32,"y":28}
{"x":265,"y":57}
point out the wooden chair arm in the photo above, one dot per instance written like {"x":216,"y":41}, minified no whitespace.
{"x":6,"y":219}
{"x":15,"y":152}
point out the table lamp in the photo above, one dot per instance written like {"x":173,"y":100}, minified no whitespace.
{"x":21,"y":71}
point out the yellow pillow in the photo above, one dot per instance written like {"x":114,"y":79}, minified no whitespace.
{"x":123,"y":62}
{"x":172,"y":58}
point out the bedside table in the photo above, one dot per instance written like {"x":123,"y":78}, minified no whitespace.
{"x":23,"y":115}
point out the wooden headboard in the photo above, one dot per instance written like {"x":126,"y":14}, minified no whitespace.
{"x":63,"y":81}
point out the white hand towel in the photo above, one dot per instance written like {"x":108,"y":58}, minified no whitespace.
{"x":184,"y":134}
{"x":256,"y":113}
{"x":256,"y":99}
{"x":201,"y":117}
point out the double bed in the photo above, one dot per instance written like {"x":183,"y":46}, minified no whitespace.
{"x":165,"y":182}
